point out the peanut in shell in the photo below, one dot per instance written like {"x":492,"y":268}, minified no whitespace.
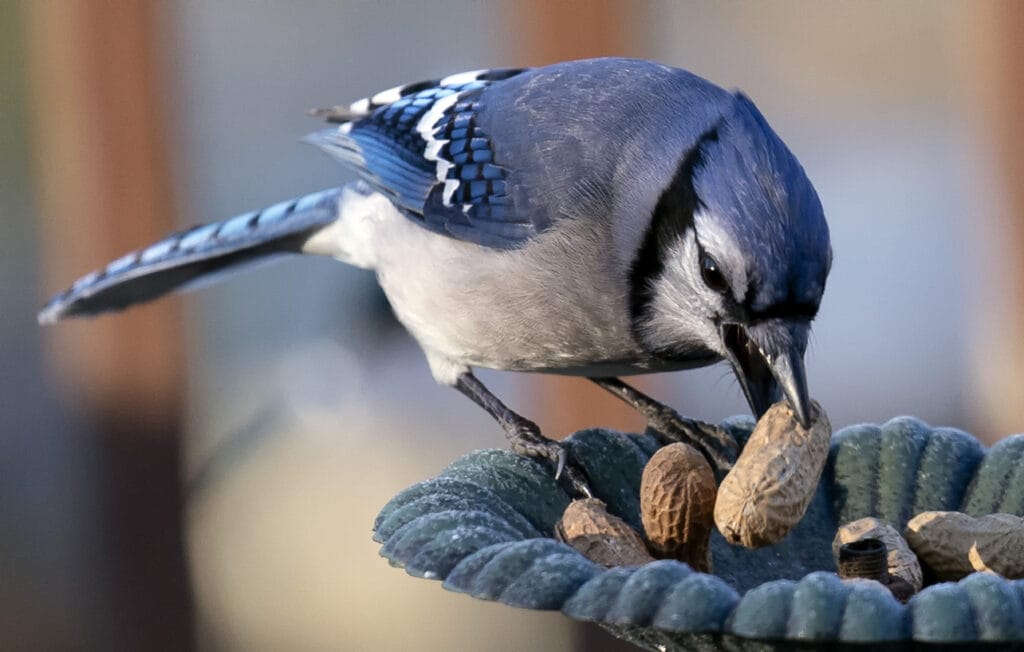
{"x":901,"y":560}
{"x":768,"y":489}
{"x":953,"y":545}
{"x":601,"y":537}
{"x":677,"y":502}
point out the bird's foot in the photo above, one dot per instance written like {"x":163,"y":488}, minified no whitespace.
{"x":717,"y":445}
{"x":525,"y":438}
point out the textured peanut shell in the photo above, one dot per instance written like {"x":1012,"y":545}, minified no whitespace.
{"x":603,"y":538}
{"x":768,"y":489}
{"x":954,"y":545}
{"x":677,"y":502}
{"x":901,"y":559}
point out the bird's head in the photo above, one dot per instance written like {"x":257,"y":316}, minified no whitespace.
{"x":734,"y":263}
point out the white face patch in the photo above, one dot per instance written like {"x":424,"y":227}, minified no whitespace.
{"x":683,"y":307}
{"x":720,"y":245}
{"x":684,"y":287}
{"x":681,"y":315}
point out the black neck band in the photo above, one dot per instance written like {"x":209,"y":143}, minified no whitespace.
{"x":671,"y":219}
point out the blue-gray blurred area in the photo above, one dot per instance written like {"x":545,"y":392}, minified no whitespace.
{"x":308,"y":406}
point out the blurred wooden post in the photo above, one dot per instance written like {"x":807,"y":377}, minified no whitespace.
{"x":996,"y":38}
{"x":98,"y":117}
{"x":99,"y":130}
{"x":542,"y":32}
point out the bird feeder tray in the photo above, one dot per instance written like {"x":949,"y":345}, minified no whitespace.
{"x":485,"y":527}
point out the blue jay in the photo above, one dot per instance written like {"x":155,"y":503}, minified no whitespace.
{"x":595,"y":218}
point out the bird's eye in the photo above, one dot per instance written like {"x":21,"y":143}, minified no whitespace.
{"x":712,"y":275}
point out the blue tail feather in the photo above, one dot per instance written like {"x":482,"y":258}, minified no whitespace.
{"x":189,"y":257}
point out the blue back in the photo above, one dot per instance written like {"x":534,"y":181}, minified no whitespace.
{"x":515,"y":151}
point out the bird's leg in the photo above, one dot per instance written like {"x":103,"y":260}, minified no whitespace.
{"x":717,"y":445}
{"x":524,"y":436}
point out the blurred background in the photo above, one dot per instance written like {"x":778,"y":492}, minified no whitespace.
{"x":203,"y":473}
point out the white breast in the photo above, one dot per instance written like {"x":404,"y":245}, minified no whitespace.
{"x":557,"y":304}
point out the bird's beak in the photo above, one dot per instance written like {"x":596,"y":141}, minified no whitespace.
{"x":768,"y":360}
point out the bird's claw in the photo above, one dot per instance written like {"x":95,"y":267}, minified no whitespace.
{"x":717,"y":445}
{"x":560,"y":464}
{"x":526,"y":439}
{"x":578,"y":480}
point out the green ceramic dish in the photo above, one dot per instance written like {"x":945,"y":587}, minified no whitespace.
{"x":484,"y":527}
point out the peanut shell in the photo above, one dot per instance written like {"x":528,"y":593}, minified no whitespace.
{"x":768,"y":489}
{"x":601,"y":537}
{"x":901,"y":560}
{"x":954,"y":545}
{"x":677,"y":503}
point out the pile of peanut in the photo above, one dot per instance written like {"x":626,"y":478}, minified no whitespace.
{"x":940,"y":547}
{"x":765,"y":495}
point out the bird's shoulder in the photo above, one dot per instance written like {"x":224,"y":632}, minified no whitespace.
{"x":420,"y":145}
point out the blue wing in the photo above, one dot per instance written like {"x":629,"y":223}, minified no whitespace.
{"x":420,"y":145}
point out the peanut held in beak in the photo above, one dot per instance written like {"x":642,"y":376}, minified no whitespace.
{"x":767,"y":491}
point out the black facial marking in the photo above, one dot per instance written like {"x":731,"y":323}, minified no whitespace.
{"x":672,"y":217}
{"x":795,"y":305}
{"x":787,"y":310}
